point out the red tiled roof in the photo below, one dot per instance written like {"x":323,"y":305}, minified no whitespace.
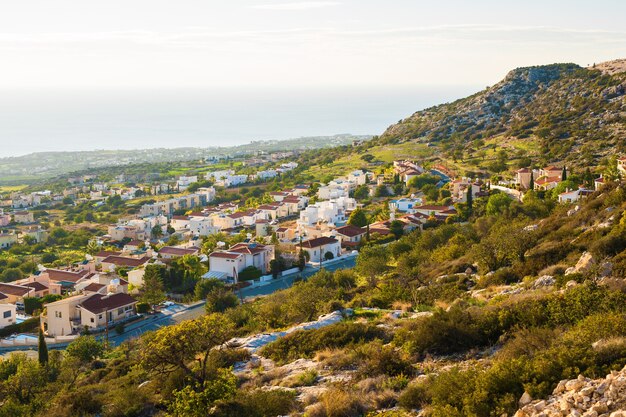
{"x":94,"y":287}
{"x":36,"y":285}
{"x":225,"y":255}
{"x":281,"y":229}
{"x":249,"y":248}
{"x":17,"y":290}
{"x":125,"y":261}
{"x":105,"y":253}
{"x":180,"y":217}
{"x":170,"y":250}
{"x":98,"y":303}
{"x":523,"y":170}
{"x":432,"y":208}
{"x":317,"y":242}
{"x":547,"y":180}
{"x":69,"y":276}
{"x":350,"y":230}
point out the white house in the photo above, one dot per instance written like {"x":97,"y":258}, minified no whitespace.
{"x":202,"y":226}
{"x":335,"y":189}
{"x":266,"y":175}
{"x":350,"y":236}
{"x":571,"y":196}
{"x":332,"y":211}
{"x":406,"y":205}
{"x":240,"y":256}
{"x":185,"y":181}
{"x":318,"y":247}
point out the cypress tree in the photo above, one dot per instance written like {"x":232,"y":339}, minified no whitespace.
{"x":42,"y":349}
{"x":564,"y":174}
{"x":470,"y":198}
{"x":531,"y":183}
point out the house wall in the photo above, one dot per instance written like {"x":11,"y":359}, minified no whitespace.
{"x":226,"y":265}
{"x":59,"y":315}
{"x":93,"y":320}
{"x":7,"y":315}
{"x":314,"y":253}
{"x":135,"y":277}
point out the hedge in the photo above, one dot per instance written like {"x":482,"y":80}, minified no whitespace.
{"x":27,"y":326}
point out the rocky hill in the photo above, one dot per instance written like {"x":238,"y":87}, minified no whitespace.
{"x":569,"y":111}
{"x":581,"y":397}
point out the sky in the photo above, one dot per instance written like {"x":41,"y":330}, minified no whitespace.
{"x":292,"y":44}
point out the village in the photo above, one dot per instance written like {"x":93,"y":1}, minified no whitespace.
{"x":288,"y":229}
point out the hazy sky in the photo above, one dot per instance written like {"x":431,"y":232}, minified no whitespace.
{"x":228,"y":43}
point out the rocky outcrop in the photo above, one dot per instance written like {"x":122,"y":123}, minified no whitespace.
{"x":581,"y":397}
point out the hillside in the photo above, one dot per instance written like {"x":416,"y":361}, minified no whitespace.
{"x":571,"y":113}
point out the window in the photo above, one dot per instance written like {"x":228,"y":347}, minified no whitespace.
{"x":120,"y":311}
{"x":6,"y":314}
{"x":99,"y":316}
{"x":57,"y":314}
{"x":92,"y":320}
{"x":128,"y":308}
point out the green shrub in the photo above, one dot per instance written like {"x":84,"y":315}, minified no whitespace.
{"x":27,"y":326}
{"x":250,"y":273}
{"x":304,"y":343}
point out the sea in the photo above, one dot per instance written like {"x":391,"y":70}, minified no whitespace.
{"x":91,"y":119}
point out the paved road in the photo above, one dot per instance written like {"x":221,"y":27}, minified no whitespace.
{"x":283,"y":283}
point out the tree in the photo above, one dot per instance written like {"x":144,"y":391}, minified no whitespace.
{"x":361,"y":192}
{"x":611,"y":172}
{"x":275,"y":267}
{"x":328,"y":256}
{"x":470,"y":199}
{"x":85,"y":349}
{"x":497,"y":204}
{"x":157,"y":231}
{"x":367,"y":157}
{"x":358,"y":218}
{"x":220,"y":300}
{"x":397,"y":228}
{"x":42,"y":349}
{"x":153,"y":291}
{"x":206,"y":286}
{"x":381,"y":191}
{"x":194,"y":401}
{"x":92,"y":247}
{"x":301,"y":257}
{"x":531,"y":182}
{"x":186,"y":347}
{"x":372,"y":262}
{"x":564,"y":174}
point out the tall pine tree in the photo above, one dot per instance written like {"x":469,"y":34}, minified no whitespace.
{"x":564,"y":174}
{"x":42,"y":349}
{"x":470,"y":199}
{"x":531,"y":182}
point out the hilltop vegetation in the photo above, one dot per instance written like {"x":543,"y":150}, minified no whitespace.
{"x":571,"y":113}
